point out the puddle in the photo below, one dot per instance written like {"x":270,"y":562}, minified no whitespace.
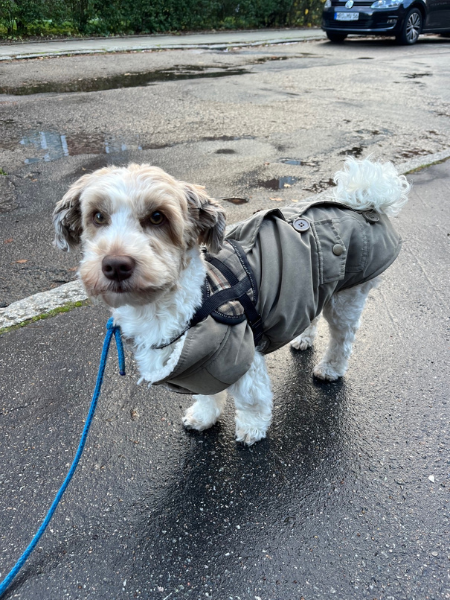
{"x":124,"y":80}
{"x":322,"y":185}
{"x":278,"y":184}
{"x":235,"y":200}
{"x":356,"y":151}
{"x":290,"y":161}
{"x":48,"y":146}
{"x":226,"y":138}
{"x":225,"y":151}
{"x":417,"y":75}
{"x":412,"y":153}
{"x":365,"y":132}
{"x":265,"y":59}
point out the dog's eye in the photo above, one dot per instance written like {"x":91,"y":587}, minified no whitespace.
{"x":99,"y":218}
{"x":156,"y":218}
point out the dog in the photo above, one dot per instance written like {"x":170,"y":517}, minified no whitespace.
{"x":202,"y":307}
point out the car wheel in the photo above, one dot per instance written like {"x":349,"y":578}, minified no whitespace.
{"x":411,"y":28}
{"x":337,"y":38}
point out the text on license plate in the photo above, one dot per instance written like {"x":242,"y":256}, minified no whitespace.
{"x":345,"y":16}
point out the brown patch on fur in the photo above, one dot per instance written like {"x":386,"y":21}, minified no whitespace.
{"x":208,"y":217}
{"x":127,"y":197}
{"x":67,"y":213}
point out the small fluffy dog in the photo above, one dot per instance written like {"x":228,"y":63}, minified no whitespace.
{"x":202,"y":308}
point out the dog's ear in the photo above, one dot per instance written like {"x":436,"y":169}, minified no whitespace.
{"x":208,"y":217}
{"x":67,"y":216}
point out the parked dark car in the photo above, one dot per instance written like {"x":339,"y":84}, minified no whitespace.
{"x":404,"y":19}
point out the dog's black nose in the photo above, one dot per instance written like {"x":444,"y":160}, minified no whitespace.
{"x":118,"y":268}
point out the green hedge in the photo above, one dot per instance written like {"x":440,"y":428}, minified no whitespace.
{"x":20,"y":18}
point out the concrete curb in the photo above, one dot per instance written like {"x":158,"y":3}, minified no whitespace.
{"x":44,"y":302}
{"x":423,"y":161}
{"x":141,"y":48}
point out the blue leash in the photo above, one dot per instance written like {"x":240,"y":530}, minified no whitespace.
{"x":111,"y":330}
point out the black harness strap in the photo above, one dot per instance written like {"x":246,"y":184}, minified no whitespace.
{"x":250,"y":311}
{"x":213,"y":302}
{"x":232,"y":279}
{"x":238,"y":291}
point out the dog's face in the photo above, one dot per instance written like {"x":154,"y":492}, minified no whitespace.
{"x":136,"y":225}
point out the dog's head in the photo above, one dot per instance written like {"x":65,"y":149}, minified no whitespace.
{"x":136,"y":226}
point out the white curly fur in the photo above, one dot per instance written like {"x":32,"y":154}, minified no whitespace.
{"x":160,"y":321}
{"x":342,"y":314}
{"x":151,"y":316}
{"x":362,"y":185}
{"x":367,"y":185}
{"x":252,"y":396}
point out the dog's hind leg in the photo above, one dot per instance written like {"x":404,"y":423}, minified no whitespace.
{"x":306,"y":339}
{"x":342,"y":312}
{"x":205,"y":411}
{"x":253,"y":400}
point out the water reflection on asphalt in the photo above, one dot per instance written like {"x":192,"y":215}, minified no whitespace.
{"x":125,"y":80}
{"x":232,"y":506}
{"x":49,"y":146}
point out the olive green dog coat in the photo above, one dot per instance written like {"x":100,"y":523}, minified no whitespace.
{"x":299,"y":257}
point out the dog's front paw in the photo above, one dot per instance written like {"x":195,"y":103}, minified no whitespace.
{"x":201,"y":416}
{"x":249,"y":437}
{"x":326,"y":372}
{"x":302,"y":342}
{"x":251,"y":429}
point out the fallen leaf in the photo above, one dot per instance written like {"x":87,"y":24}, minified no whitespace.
{"x":277,"y":199}
{"x":22,"y":261}
{"x":75,"y":268}
{"x":294,"y":200}
{"x":8,"y":241}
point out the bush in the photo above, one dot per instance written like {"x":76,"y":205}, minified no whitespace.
{"x":106,"y":17}
{"x":18,"y":17}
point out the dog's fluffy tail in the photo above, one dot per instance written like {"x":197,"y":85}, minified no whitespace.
{"x":365,"y":185}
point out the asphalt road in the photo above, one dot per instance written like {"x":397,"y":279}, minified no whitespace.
{"x":226,"y":120}
{"x":348,"y":497}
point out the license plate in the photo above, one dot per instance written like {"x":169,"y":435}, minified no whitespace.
{"x":344,"y":16}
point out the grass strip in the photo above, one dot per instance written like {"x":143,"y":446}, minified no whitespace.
{"x":431,"y":164}
{"x":52,"y":313}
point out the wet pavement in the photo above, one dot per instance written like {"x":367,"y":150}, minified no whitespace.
{"x":265,"y":124}
{"x":347,"y":498}
{"x":120,"y":81}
